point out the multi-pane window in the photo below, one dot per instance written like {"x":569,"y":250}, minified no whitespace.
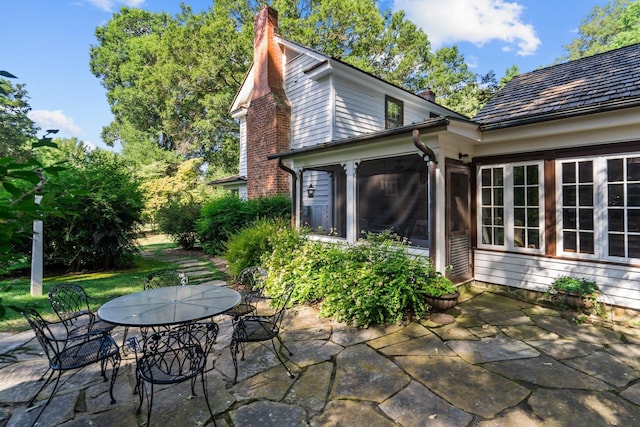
{"x":492,"y":200}
{"x":393,"y":113}
{"x":604,"y":227}
{"x":526,"y":206}
{"x":623,"y":207}
{"x":577,"y":207}
{"x":511,"y":206}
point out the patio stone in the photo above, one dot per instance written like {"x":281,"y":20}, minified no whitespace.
{"x":485,"y":331}
{"x":564,"y":349}
{"x":312,"y":388}
{"x":490,"y":302}
{"x":409,"y":332}
{"x":20,"y":381}
{"x":59,"y":410}
{"x":517,"y":417}
{"x":310,"y":352}
{"x":348,"y":335}
{"x":559,"y":408}
{"x":586,"y":333}
{"x":417,"y":406}
{"x":546,"y":372}
{"x":626,"y":353}
{"x":271,"y":384}
{"x":632,"y":393}
{"x":363,"y":373}
{"x":509,"y":318}
{"x":265,"y":413}
{"x":606,"y":367}
{"x":340,"y":413}
{"x":528,"y":332}
{"x":467,"y":387}
{"x":492,"y":349}
{"x":422,"y":346}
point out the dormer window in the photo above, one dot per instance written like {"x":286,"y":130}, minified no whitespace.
{"x":393,"y":113}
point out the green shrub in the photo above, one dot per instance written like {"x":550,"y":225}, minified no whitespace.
{"x":179,"y":220}
{"x":104,"y":203}
{"x":246,"y":247}
{"x":375,"y":281}
{"x":225,"y":216}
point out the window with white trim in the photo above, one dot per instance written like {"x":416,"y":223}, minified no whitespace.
{"x":605,"y":227}
{"x":511,"y":206}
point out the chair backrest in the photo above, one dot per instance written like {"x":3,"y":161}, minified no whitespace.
{"x":69,"y":301}
{"x":172,"y":355}
{"x":252,"y":281}
{"x":165,"y":278}
{"x":281,"y":304}
{"x":44,"y":335}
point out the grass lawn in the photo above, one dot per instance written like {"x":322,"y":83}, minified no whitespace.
{"x":100,"y":286}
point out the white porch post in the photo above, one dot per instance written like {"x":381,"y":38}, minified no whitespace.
{"x":439,"y":234}
{"x":350,"y":168}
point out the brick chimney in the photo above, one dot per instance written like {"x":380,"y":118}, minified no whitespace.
{"x":268,"y":116}
{"x":428,"y":94}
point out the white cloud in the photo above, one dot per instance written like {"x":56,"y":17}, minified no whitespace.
{"x":474,"y":21}
{"x":108,"y":5}
{"x":46,"y":119}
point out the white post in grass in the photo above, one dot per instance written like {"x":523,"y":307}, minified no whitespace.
{"x":37,"y":252}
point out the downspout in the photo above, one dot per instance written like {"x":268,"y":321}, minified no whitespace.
{"x":294,"y":194}
{"x":432,"y":185}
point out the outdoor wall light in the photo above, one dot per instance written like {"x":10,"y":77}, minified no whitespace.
{"x":463,"y":156}
{"x":311,"y":191}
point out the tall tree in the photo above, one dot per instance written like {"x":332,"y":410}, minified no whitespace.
{"x":607,"y":27}
{"x":17,"y":130}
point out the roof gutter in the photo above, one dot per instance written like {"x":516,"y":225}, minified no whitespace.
{"x":294,"y":198}
{"x":432,"y":188}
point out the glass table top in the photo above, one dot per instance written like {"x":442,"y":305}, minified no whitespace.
{"x":168,"y":306}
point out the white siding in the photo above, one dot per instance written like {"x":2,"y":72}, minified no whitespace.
{"x":358,"y":110}
{"x":310,"y":104}
{"x":620,"y":285}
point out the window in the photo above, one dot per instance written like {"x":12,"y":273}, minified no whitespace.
{"x":577,"y":207}
{"x":393,"y":113}
{"x":605,"y":227}
{"x":392,"y":194}
{"x":511,"y":206}
{"x":623,"y":207}
{"x":492,"y":199}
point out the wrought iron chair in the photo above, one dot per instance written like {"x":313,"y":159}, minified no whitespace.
{"x":250,"y":285}
{"x":164,"y":278}
{"x":71,"y":304}
{"x":248,"y":329}
{"x":172,"y":356}
{"x":66,"y":354}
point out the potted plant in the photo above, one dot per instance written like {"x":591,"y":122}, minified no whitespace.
{"x":574,"y":292}
{"x":440,"y":292}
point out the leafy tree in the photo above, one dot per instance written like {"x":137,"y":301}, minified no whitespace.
{"x":17,"y":130}
{"x":607,"y":27}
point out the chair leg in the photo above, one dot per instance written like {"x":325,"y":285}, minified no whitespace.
{"x":55,"y":387}
{"x":234,"y":356}
{"x":33,"y":399}
{"x":206,"y":396}
{"x":277,"y":353}
{"x":115,"y":363}
{"x":283,"y":345}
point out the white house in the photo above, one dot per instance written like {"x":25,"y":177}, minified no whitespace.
{"x":544,"y":181}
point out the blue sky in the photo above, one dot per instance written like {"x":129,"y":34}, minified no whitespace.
{"x":45,"y":43}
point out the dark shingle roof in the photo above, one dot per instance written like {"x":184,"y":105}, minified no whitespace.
{"x":608,"y":80}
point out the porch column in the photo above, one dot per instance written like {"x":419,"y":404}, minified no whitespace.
{"x":350,"y":168}
{"x":440,"y":234}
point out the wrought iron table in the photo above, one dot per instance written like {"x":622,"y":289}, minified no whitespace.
{"x":169,"y":306}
